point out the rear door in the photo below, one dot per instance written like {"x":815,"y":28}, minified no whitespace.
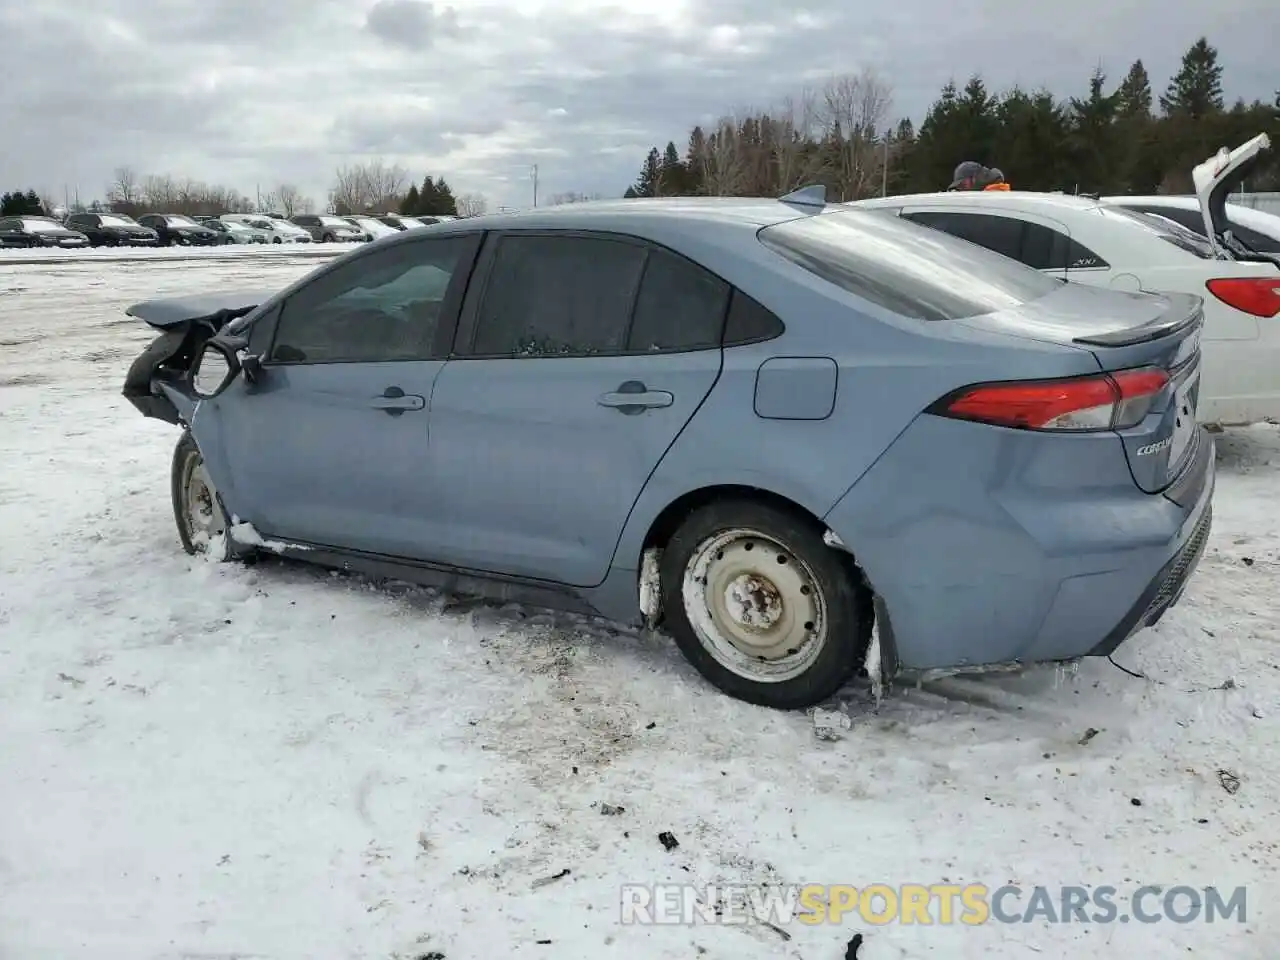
{"x":330,"y":447}
{"x":580,"y":358}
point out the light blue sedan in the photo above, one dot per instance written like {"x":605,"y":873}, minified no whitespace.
{"x":805,"y":440}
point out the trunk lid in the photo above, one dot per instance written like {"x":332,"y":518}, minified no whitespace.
{"x":1128,"y":331}
{"x":166,"y":314}
{"x":1214,"y":180}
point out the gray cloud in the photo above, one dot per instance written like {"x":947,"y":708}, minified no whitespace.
{"x":253,"y":92}
{"x":413,"y":24}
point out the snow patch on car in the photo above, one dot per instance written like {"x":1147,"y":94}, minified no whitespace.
{"x":246,"y":535}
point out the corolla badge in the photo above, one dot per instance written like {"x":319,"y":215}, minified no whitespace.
{"x":1156,"y":447}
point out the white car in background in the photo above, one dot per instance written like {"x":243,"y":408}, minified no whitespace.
{"x":280,"y":231}
{"x":374,"y":228}
{"x":1086,"y":241}
{"x":1256,"y":229}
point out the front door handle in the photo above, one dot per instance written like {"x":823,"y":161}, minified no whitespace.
{"x":634,"y":397}
{"x":395,"y":401}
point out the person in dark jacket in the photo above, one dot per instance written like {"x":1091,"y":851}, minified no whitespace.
{"x":969,"y":175}
{"x":994,"y":180}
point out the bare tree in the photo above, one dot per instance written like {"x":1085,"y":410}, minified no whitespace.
{"x":472,"y":205}
{"x":793,"y":125}
{"x":854,"y":107}
{"x":724,"y":165}
{"x":373,"y":187}
{"x":288,"y":199}
{"x":122,"y":192}
{"x":159,"y":192}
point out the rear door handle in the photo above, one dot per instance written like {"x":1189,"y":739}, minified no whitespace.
{"x":634,"y":397}
{"x":395,"y":401}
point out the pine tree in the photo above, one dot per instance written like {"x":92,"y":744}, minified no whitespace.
{"x":672,"y":173}
{"x":1133,"y":99}
{"x":650,"y":180}
{"x":409,"y":205}
{"x":446,"y":205}
{"x":630,"y":194}
{"x":1195,"y":91}
{"x":35,"y":206}
{"x":1095,"y":146}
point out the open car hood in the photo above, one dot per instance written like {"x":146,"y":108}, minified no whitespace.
{"x":164,"y":314}
{"x":1216,"y":178}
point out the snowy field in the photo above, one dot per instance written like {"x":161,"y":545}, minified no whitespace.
{"x":215,"y":761}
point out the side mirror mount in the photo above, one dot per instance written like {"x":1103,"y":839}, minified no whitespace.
{"x":216,"y":368}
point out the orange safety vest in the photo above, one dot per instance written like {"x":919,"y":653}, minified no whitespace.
{"x":997,"y":186}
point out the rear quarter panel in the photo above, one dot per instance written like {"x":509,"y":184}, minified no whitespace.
{"x":889,"y":370}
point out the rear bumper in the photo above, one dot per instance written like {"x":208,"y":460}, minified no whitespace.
{"x":1024,"y":549}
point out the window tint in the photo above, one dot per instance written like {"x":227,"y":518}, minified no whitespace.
{"x":1047,"y":249}
{"x":1004,"y":235}
{"x":558,"y":296}
{"x":1191,"y":219}
{"x":912,"y":271}
{"x":1166,"y":229}
{"x":8,"y":224}
{"x":749,"y":322}
{"x":680,"y":306}
{"x":385,"y":306}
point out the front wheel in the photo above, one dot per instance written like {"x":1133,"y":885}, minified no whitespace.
{"x":203,"y":526}
{"x":761,"y":607}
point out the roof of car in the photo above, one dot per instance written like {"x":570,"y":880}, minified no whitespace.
{"x":1011,"y":199}
{"x":683,"y":214}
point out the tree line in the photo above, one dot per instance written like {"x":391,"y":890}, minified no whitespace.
{"x":1114,"y":139}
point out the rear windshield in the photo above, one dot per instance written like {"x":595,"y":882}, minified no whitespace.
{"x":1167,"y":230}
{"x":913,"y":271}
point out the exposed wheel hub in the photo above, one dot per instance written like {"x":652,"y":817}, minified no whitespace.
{"x":756,"y":607}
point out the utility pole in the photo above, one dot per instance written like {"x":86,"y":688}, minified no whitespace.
{"x":884,"y":174}
{"x":535,"y":184}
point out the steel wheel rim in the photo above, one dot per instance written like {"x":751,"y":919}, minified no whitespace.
{"x":756,"y":607}
{"x":200,"y":509}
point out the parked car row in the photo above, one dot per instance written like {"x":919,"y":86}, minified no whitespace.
{"x":1225,"y":255}
{"x":176,"y":229}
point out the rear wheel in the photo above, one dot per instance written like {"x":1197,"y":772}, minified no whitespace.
{"x":761,"y":606}
{"x":203,"y":525}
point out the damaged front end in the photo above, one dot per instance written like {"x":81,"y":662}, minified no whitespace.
{"x":159,"y":381}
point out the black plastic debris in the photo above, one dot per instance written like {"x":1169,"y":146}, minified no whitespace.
{"x":1136,"y":802}
{"x":851,"y":951}
{"x":542,"y":882}
{"x":668,"y":840}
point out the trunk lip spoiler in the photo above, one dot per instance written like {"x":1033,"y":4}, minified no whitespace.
{"x":1145,"y":333}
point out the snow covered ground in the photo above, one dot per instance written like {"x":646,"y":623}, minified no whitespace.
{"x":216,"y":761}
{"x":13,"y":256}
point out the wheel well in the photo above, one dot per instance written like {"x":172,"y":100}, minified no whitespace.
{"x":668,"y":521}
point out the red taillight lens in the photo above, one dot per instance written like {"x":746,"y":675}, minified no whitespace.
{"x":1105,"y":402}
{"x":1259,"y":296}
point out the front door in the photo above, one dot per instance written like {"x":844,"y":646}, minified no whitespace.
{"x":580,"y":360}
{"x":330,"y":446}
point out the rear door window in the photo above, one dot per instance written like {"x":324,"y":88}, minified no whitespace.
{"x":558,"y":296}
{"x":908,"y":269}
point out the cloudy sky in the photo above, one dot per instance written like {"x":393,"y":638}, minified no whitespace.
{"x":255,"y":92}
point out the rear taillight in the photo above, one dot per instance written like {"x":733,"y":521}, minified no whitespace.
{"x":1259,"y":296}
{"x":1111,"y":401}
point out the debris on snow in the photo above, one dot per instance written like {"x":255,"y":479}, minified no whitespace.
{"x":827,"y":724}
{"x":543,"y":881}
{"x":1088,"y":735}
{"x":668,"y":840}
{"x":609,"y":810}
{"x":1230,"y":781}
{"x":851,"y":951}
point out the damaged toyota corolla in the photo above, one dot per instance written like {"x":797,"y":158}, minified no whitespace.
{"x":804,"y":440}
